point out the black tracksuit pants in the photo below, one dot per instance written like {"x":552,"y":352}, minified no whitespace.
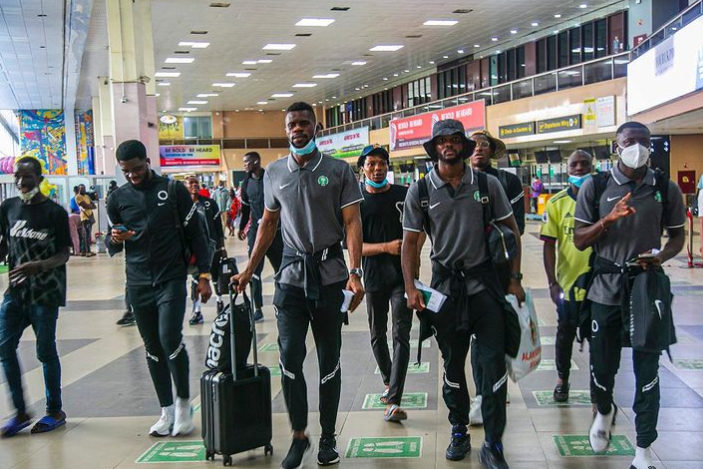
{"x":294,"y":314}
{"x":606,"y":344}
{"x":393,"y":372}
{"x":274,"y":254}
{"x":487,"y":321}
{"x":567,"y":324}
{"x":159,"y":312}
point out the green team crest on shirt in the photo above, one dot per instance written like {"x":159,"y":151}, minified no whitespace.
{"x":323,"y":181}
{"x":658,"y":196}
{"x":477,"y":197}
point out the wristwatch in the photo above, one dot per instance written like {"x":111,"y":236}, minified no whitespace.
{"x":205,"y":276}
{"x":357,"y":271}
{"x":517,"y":276}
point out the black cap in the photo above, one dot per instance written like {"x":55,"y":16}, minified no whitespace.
{"x":374,"y":151}
{"x":446,"y":128}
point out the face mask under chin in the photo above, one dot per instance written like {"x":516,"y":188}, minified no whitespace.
{"x":306,"y":150}
{"x":26,"y":197}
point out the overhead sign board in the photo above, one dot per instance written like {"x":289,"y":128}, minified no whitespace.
{"x":516,"y":130}
{"x":189,"y":155}
{"x":411,"y":132}
{"x":559,"y":124}
{"x":345,"y":144}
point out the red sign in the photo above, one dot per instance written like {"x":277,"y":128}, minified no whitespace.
{"x":687,"y":182}
{"x":413,"y":131}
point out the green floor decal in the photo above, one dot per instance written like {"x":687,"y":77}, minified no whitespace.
{"x":265,"y":348}
{"x":411,"y":400}
{"x":412,"y":368}
{"x":577,"y":398}
{"x":174,"y":451}
{"x":548,"y":364}
{"x":688,"y":363}
{"x":275,"y":371}
{"x":4,"y":268}
{"x":578,"y":445}
{"x":385,"y":447}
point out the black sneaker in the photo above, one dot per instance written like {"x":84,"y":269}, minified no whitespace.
{"x":220,"y":306}
{"x":561,"y":393}
{"x":327,"y":455}
{"x":491,"y":456}
{"x":127,"y":319}
{"x":196,"y":318}
{"x":258,"y":316}
{"x":460,"y":444}
{"x":299,"y":449}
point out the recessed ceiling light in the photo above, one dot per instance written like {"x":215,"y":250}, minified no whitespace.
{"x":386,"y":48}
{"x":583,"y":5}
{"x":431,"y":62}
{"x":498,"y":52}
{"x":305,"y":85}
{"x":359,"y":62}
{"x":167,"y":74}
{"x":357,"y":88}
{"x":163,"y":83}
{"x":194,"y":45}
{"x":223,"y":85}
{"x":334,"y":97}
{"x":535,"y":24}
{"x":513,"y":31}
{"x":314,"y":104}
{"x":477,"y":45}
{"x":440,"y":23}
{"x":406,"y":71}
{"x":445,"y":56}
{"x":276,"y":46}
{"x":563,"y":141}
{"x":460,"y":51}
{"x":196,"y":102}
{"x":395,"y":74}
{"x":239,"y":74}
{"x":494,"y":39}
{"x":207,"y":95}
{"x":419,"y":66}
{"x":261,"y":103}
{"x":282,"y":95}
{"x":157,"y":94}
{"x":328,"y":75}
{"x":385,"y":79}
{"x":315,"y":22}
{"x":556,"y":31}
{"x":249,"y":62}
{"x":187,"y":109}
{"x":265,"y":61}
{"x":180,"y":60}
{"x":557,"y":16}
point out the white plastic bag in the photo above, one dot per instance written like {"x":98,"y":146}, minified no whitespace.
{"x":530,"y":352}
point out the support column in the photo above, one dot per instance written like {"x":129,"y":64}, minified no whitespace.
{"x":106,"y":151}
{"x":132,"y":74}
{"x":69,"y":119}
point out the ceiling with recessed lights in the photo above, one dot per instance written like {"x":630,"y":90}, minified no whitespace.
{"x":271,"y":52}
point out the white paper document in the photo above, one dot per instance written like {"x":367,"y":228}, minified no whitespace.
{"x":348,"y":297}
{"x":433,"y":299}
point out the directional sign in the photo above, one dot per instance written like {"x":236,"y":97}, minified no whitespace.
{"x":174,"y":451}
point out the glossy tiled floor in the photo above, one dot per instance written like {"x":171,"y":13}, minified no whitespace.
{"x":111,"y":404}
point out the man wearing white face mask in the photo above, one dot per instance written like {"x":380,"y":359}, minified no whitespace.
{"x":567,"y":272}
{"x":620,"y":214}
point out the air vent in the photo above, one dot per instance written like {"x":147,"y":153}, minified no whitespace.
{"x":219,"y":5}
{"x":250,"y":69}
{"x":368,"y":55}
{"x":182,"y":52}
{"x":198,"y":32}
{"x":168,"y":68}
{"x":42,"y":15}
{"x":339,"y":8}
{"x":273,"y":53}
{"x":272,"y":99}
{"x":414,"y":36}
{"x":461,"y":11}
{"x":303,"y":35}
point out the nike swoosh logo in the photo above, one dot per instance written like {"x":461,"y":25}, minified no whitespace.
{"x":659,"y":304}
{"x":610,"y":199}
{"x":434,"y":205}
{"x":160,"y":204}
{"x":284,"y":186}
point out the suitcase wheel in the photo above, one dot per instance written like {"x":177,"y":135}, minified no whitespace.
{"x":268,"y":449}
{"x":226,"y":460}
{"x":209,"y":455}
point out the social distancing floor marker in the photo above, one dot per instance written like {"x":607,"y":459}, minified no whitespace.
{"x":577,"y":398}
{"x":578,"y":446}
{"x":412,"y":368}
{"x":173,"y":451}
{"x":410,"y":400}
{"x":385,"y":447}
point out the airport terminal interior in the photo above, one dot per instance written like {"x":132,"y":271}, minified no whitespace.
{"x":203,"y":83}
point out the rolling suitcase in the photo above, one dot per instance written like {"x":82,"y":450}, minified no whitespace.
{"x":236,"y":406}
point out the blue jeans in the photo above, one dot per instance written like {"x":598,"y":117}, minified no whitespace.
{"x":15,"y":316}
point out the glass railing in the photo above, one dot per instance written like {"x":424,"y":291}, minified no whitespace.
{"x":255,"y":143}
{"x":669,"y":29}
{"x":587,"y":73}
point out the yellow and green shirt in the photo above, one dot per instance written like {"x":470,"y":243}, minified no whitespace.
{"x":558,"y":227}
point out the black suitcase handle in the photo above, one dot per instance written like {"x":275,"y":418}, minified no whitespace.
{"x":233,"y":295}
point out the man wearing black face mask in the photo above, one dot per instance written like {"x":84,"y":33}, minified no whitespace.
{"x":622,"y":224}
{"x":316,"y":199}
{"x":462,"y":269}
{"x":35,"y":239}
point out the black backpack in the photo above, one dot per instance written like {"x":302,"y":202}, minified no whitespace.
{"x":219,"y":352}
{"x":651,"y":321}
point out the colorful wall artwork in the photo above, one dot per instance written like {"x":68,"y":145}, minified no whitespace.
{"x":43,"y":135}
{"x":85,"y":142}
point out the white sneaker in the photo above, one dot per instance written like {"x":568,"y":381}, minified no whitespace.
{"x":643,"y":459}
{"x":183,"y":422}
{"x":165,"y":423}
{"x":475,"y":415}
{"x":599,"y":434}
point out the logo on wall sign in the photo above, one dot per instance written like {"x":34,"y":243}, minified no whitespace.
{"x":323,"y":181}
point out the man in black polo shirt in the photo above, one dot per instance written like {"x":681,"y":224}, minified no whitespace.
{"x":462,"y":270}
{"x":35,"y":240}
{"x":624,"y":223}
{"x":382,"y":221}
{"x":316,"y":199}
{"x":252,"y":194}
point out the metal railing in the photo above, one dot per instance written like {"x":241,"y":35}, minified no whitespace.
{"x":669,"y":29}
{"x":586,"y":73}
{"x":233,"y":143}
